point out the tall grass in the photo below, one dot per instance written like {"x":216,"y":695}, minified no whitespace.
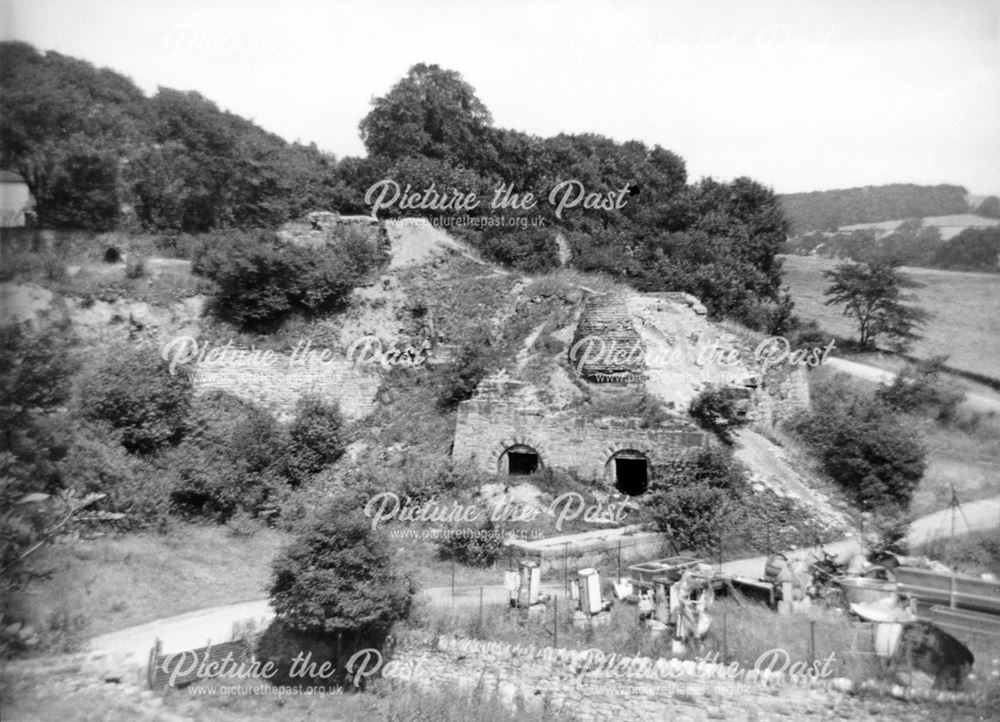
{"x":741,"y":632}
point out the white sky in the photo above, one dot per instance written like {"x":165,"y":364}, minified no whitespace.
{"x":798,"y":95}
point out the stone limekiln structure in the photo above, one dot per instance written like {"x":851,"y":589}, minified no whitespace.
{"x":623,"y":344}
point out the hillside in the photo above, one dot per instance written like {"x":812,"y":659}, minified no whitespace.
{"x":965,"y":325}
{"x":948,"y":226}
{"x":832,"y":209}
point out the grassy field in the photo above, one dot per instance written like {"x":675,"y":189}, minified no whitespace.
{"x":966,"y":308}
{"x":121,"y":581}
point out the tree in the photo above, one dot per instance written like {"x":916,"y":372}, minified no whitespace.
{"x":872,"y":293}
{"x":432,"y":112}
{"x":864,"y":446}
{"x":989,"y":208}
{"x":974,"y":249}
{"x":65,"y":127}
{"x":316,"y":437}
{"x":338,"y":575}
{"x":35,"y":505}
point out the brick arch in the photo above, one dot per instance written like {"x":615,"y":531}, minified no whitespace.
{"x":501,"y":447}
{"x":617,"y":447}
{"x":629,"y":485}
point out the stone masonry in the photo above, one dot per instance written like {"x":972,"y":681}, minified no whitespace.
{"x":487,"y":428}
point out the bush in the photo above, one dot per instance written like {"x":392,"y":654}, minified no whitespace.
{"x":232,"y":460}
{"x":280,"y":644}
{"x":316,"y":437}
{"x":133,"y":487}
{"x":478,"y":546}
{"x":136,"y":395}
{"x":338,"y":575}
{"x":920,"y":388}
{"x":721,"y":411}
{"x":135,"y":266}
{"x":689,"y":506}
{"x":460,"y":377}
{"x":261,"y":281}
{"x":711,"y":504}
{"x":863,"y":445}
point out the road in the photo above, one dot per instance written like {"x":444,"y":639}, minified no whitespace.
{"x":975,"y":402}
{"x":196,"y":629}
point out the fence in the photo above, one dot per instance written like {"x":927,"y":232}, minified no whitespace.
{"x":749,"y":634}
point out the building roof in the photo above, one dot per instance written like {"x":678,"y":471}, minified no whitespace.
{"x":9,"y":176}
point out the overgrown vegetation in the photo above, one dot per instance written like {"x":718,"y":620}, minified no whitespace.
{"x":133,"y":393}
{"x":337,"y":577}
{"x":183,"y":165}
{"x":863,"y":445}
{"x":261,"y":281}
{"x":721,"y":411}
{"x":921,"y":388}
{"x":711,"y":504}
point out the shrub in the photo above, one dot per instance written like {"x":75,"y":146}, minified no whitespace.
{"x":721,"y":411}
{"x":338,"y":575}
{"x":133,"y":487}
{"x":260,"y":281}
{"x":689,"y":506}
{"x":460,"y":377}
{"x":135,"y":267}
{"x":280,"y":644}
{"x":476,"y":546}
{"x":863,"y":445}
{"x":316,"y":437}
{"x":232,"y":460}
{"x":920,"y":388}
{"x":136,"y":395}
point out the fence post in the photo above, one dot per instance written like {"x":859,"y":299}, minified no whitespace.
{"x":340,"y":649}
{"x":566,"y":568}
{"x":480,"y":610}
{"x":812,"y":642}
{"x":453,"y":581}
{"x":725,"y":638}
{"x":618,"y":579}
{"x":555,"y":620}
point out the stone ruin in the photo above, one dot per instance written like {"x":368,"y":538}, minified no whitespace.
{"x":623,"y":342}
{"x":323,"y":229}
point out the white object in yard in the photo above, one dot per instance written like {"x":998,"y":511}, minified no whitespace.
{"x":590,"y":591}
{"x":878,"y":612}
{"x":511,"y":581}
{"x":887,"y":638}
{"x":531,"y":583}
{"x":623,"y":588}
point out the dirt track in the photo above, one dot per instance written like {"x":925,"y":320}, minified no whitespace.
{"x":195,"y":629}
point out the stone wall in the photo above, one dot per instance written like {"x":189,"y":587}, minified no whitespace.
{"x":783,"y":392}
{"x":278,"y":384}
{"x":486,"y":429}
{"x":328,"y":228}
{"x":559,"y":681}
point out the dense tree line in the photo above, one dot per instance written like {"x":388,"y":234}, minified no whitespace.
{"x":911,"y":244}
{"x":627,"y":209}
{"x":829,"y":210}
{"x":96,"y":153}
